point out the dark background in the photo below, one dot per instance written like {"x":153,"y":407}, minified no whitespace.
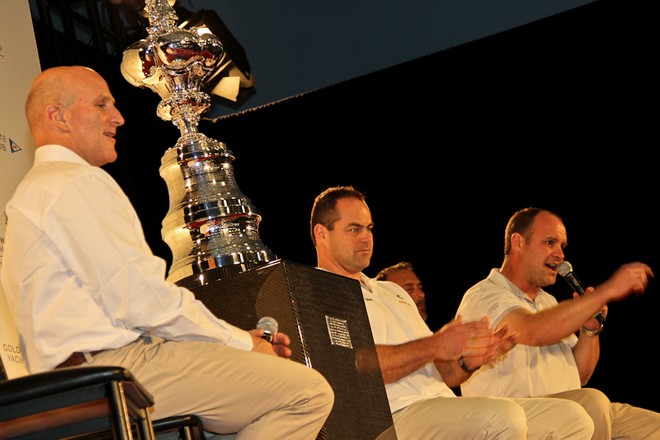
{"x":560,"y":113}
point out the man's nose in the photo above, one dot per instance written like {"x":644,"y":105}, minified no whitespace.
{"x":117,"y":118}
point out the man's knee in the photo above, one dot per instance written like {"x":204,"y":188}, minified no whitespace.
{"x":598,"y":407}
{"x":597,"y":400}
{"x":321,"y":390}
{"x":327,"y":394}
{"x":578,"y":422}
{"x":508,"y":419}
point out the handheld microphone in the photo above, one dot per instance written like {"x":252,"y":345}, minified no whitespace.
{"x":565,"y":269}
{"x":269,"y":326}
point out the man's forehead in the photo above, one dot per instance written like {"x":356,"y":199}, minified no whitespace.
{"x":549,"y":224}
{"x":354,"y":211}
{"x":555,"y":233}
{"x":403,"y":274}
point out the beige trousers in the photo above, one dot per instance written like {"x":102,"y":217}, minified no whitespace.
{"x":463,"y":418}
{"x":254,"y":395}
{"x":616,"y":421}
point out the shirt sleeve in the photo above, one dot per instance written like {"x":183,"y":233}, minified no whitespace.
{"x":100,"y":236}
{"x":487,"y":299}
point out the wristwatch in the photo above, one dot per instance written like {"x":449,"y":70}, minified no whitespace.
{"x":461,"y":363}
{"x":590,"y":332}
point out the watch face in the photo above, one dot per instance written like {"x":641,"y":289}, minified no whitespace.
{"x":461,"y":363}
{"x":590,"y":332}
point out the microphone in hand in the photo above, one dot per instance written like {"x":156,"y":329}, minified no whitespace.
{"x":565,"y":269}
{"x":269,"y":326}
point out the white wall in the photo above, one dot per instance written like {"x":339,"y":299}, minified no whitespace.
{"x":19,"y":64}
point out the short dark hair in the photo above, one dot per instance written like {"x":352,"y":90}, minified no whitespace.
{"x":324,"y":210}
{"x":386,"y":271}
{"x":521,"y":221}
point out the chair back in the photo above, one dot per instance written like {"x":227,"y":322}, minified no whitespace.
{"x":52,"y":385}
{"x":89,"y":402}
{"x":11,"y":358}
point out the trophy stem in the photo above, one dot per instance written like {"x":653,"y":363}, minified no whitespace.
{"x":211,"y":228}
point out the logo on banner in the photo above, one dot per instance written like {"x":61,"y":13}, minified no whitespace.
{"x":13,"y":146}
{"x":8,"y":142}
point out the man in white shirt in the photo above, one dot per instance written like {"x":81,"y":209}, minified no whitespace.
{"x":84,"y":287}
{"x":419,"y":367}
{"x":549,"y":359}
{"x":403,"y":274}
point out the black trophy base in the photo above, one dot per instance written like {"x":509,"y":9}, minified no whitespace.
{"x":325,"y":316}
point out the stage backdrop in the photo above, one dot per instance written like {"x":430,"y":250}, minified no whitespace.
{"x":19,"y":64}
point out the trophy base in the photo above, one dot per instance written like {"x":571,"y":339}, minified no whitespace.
{"x":325,"y":317}
{"x":186,"y":277}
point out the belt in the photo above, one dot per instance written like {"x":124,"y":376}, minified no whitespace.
{"x":76,"y":359}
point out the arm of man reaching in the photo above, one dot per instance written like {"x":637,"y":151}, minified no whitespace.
{"x":470,"y":340}
{"x":551,"y":325}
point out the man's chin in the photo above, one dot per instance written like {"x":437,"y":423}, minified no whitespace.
{"x":365,"y":260}
{"x":549,"y":281}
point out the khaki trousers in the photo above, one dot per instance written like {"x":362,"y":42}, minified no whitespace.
{"x":615,"y":421}
{"x":463,"y":418}
{"x":254,"y":395}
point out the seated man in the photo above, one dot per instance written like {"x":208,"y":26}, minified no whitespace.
{"x":419,"y":367}
{"x":549,"y":359}
{"x":404,"y":275}
{"x":84,"y":287}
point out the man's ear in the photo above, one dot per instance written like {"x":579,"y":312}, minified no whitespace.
{"x":55,"y":114}
{"x":517,"y":239}
{"x":319,"y":231}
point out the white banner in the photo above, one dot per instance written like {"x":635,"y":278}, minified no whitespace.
{"x":19,"y":64}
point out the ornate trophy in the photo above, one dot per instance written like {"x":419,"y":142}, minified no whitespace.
{"x":211,"y":228}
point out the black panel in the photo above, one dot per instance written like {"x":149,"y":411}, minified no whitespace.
{"x":325,"y":316}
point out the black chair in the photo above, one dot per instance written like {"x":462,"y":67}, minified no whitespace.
{"x":83,"y":402}
{"x":187,"y":427}
{"x":101,"y":403}
{"x":86,"y":403}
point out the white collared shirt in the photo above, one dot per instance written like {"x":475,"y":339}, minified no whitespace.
{"x":394,"y":319}
{"x":78,"y":273}
{"x":525,"y":371}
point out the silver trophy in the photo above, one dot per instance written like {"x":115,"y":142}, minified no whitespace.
{"x":211,"y":228}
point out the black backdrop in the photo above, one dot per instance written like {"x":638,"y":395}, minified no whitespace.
{"x":560,"y":113}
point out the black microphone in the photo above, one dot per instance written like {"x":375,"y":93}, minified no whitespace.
{"x":269,"y":326}
{"x":565,"y":269}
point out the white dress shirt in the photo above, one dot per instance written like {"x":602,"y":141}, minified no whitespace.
{"x":78,"y":273}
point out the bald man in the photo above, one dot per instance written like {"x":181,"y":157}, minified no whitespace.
{"x":85,"y":289}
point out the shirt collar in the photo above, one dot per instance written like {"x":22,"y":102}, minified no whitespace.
{"x":57,"y":153}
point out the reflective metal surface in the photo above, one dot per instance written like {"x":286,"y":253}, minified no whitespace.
{"x":211,"y":227}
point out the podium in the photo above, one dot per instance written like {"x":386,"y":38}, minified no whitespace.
{"x":325,"y":317}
